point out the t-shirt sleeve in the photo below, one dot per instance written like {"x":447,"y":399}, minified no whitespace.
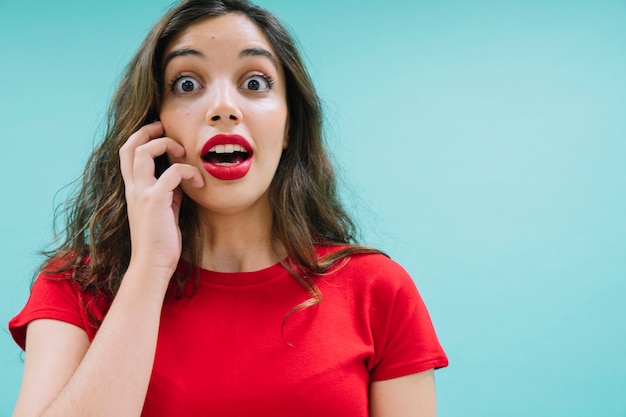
{"x":52,"y":297}
{"x":404,"y":337}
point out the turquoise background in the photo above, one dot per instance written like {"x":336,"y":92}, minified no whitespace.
{"x":481,"y":143}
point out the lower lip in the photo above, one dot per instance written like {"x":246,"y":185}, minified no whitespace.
{"x":228,"y":173}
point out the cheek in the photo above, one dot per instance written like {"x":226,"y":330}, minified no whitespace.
{"x":171,"y":115}
{"x":172,"y":124}
{"x":165,"y":120}
{"x":172,"y":131}
{"x":273,"y":121}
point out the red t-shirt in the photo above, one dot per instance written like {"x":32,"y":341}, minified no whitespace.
{"x":231,"y":350}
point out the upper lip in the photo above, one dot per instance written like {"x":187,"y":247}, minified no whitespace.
{"x":226,"y":139}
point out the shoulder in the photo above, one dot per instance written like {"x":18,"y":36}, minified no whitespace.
{"x":378,"y":271}
{"x":57,"y":280}
{"x":56,"y":295}
{"x":376,"y":263}
{"x":55,"y":283}
{"x":372,"y":278}
{"x":362,"y":259}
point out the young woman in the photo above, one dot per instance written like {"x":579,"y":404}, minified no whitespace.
{"x":208,"y":266}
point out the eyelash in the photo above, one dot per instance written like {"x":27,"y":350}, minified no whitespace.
{"x":268,"y":78}
{"x":172,"y":83}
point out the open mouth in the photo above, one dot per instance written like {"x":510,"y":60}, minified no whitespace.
{"x":226,"y":155}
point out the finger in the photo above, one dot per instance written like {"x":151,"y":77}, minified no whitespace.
{"x":127,"y":151}
{"x":177,"y":199}
{"x":143,"y":168}
{"x":174,"y":175}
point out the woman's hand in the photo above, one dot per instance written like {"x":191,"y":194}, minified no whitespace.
{"x":154,"y":204}
{"x":118,"y":363}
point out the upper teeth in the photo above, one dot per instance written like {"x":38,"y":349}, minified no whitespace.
{"x":230,"y":148}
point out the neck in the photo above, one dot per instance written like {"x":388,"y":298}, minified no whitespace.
{"x":239,"y":242}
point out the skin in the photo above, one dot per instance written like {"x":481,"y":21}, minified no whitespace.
{"x":65,"y":374}
{"x":222,"y":102}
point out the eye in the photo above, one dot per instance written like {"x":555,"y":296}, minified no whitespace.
{"x":258,"y":83}
{"x":184,"y":84}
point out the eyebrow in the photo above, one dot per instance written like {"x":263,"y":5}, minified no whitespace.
{"x":193,"y":52}
{"x":181,"y":52}
{"x":258,"y":52}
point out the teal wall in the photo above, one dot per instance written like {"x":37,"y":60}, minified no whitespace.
{"x":482,"y":144}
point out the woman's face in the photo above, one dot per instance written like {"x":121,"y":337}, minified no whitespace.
{"x":224,"y":100}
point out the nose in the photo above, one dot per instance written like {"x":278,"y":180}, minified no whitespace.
{"x":223,"y":107}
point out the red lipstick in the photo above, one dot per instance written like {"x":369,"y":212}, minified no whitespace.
{"x":227,"y":156}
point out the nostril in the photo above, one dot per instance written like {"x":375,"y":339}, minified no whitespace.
{"x":215,"y":118}
{"x":232,"y":117}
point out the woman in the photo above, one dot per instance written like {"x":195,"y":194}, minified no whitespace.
{"x":209,"y":268}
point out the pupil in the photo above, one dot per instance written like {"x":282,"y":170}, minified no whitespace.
{"x":187,"y":85}
{"x":254,"y":84}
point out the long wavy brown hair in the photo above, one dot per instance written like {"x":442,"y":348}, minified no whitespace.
{"x":306,"y":210}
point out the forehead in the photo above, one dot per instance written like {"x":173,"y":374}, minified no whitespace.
{"x":231,"y":30}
